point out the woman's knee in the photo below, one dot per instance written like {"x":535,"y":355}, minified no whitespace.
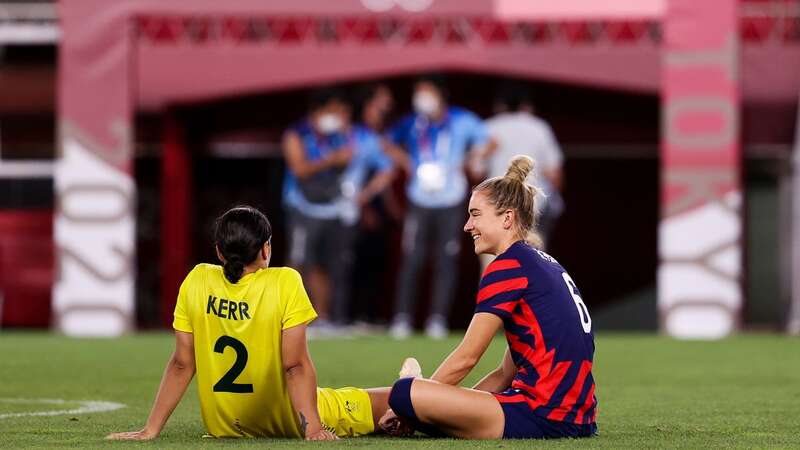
{"x":400,"y":399}
{"x":456,"y":411}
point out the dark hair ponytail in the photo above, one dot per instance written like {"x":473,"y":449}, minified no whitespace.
{"x":233,"y":269}
{"x":240,"y":234}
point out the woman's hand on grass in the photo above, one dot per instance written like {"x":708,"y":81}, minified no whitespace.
{"x":322,"y":435}
{"x":141,"y":435}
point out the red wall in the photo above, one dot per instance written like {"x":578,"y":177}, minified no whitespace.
{"x":26,"y":267}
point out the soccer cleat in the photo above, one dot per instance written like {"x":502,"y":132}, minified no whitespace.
{"x":410,"y":369}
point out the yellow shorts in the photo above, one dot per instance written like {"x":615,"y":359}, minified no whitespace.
{"x":346,"y":411}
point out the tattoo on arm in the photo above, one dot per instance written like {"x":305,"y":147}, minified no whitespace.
{"x":303,"y":424}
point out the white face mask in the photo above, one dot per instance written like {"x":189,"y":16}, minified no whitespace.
{"x":329,"y":123}
{"x":425,"y":103}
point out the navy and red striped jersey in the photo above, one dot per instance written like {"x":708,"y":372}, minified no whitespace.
{"x":548,"y":329}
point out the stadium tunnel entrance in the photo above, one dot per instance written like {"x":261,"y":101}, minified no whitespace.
{"x":233,"y":155}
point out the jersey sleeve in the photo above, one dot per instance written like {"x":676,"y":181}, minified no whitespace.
{"x":501,"y":288}
{"x":298,"y":306}
{"x":181,"y":320}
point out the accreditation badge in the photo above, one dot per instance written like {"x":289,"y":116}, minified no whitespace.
{"x":431,"y":177}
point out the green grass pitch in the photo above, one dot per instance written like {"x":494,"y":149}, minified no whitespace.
{"x":654,"y":392}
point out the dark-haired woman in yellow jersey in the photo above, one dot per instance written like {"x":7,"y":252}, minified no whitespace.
{"x":242,"y":328}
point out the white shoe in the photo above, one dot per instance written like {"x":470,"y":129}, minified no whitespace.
{"x":794,"y":327}
{"x":410,"y":369}
{"x":401,"y":328}
{"x":437,"y":328}
{"x":327,"y":330}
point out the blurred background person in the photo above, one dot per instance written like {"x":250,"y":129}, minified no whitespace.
{"x":518,"y":131}
{"x":329,"y":161}
{"x":373,"y":103}
{"x":433,"y":145}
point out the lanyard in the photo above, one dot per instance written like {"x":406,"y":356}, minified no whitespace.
{"x":429,"y":151}
{"x":326,"y":144}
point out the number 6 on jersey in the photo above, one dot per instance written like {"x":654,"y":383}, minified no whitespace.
{"x":583,"y":311}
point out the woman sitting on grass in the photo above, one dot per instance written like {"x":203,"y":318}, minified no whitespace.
{"x":544,"y":386}
{"x":242,"y":328}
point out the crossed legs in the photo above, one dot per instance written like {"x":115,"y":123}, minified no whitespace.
{"x":455,"y":411}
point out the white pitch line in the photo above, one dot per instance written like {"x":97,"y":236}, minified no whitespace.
{"x":87,"y":407}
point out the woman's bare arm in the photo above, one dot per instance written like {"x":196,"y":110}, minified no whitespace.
{"x":477,"y":339}
{"x":177,"y":376}
{"x":397,"y":155}
{"x":376,"y":185}
{"x":301,"y":381}
{"x":500,"y":378}
{"x":303,"y":167}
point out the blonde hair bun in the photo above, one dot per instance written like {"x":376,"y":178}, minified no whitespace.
{"x":519,"y":168}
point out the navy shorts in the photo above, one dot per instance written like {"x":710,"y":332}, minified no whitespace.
{"x":523,"y":423}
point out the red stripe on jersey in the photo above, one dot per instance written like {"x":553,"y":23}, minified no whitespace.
{"x":539,"y":357}
{"x":507,"y":306}
{"x":520,"y":347}
{"x":529,"y":354}
{"x":568,"y":402}
{"x":545,"y":387}
{"x":502,"y":286}
{"x":516,"y":398}
{"x":502,"y":264}
{"x":586,"y":405}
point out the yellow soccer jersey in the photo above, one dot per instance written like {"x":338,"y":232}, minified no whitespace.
{"x":237,"y":345}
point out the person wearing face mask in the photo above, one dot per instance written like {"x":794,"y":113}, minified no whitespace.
{"x":329,"y":163}
{"x":434,"y":144}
